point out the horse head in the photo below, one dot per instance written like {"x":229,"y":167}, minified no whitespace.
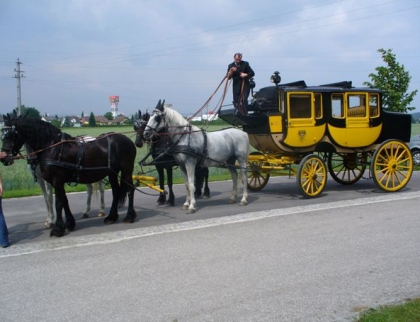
{"x":139,"y":126}
{"x":12,"y":141}
{"x":156,"y":121}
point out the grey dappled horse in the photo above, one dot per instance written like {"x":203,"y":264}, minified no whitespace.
{"x":193,"y":146}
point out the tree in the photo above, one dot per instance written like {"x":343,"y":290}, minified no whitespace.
{"x":109,"y":116}
{"x":30,"y":112}
{"x":394,"y":81}
{"x":92,"y":121}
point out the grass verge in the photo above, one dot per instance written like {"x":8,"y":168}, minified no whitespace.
{"x":408,"y":311}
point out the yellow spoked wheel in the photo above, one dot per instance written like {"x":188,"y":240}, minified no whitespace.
{"x":392,"y":165}
{"x":311,"y":176}
{"x":256,"y":178}
{"x":346,"y":168}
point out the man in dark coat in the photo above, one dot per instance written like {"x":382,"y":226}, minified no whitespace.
{"x":240,"y":72}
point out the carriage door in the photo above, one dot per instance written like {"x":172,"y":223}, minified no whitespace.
{"x":359,"y":132}
{"x":302,"y":130}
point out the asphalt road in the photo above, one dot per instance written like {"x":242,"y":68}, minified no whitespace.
{"x":281,"y":258}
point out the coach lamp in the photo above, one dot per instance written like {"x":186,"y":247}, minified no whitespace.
{"x":275,"y":78}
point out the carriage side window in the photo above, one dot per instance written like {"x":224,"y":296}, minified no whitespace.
{"x":356,"y":105}
{"x":374,"y":105}
{"x":318,"y":106}
{"x":281,"y":101}
{"x":337,"y":105}
{"x":300,"y":105}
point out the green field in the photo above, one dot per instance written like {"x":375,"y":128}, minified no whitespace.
{"x":18,"y":180}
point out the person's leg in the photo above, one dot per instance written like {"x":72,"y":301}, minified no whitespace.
{"x":4,"y":233}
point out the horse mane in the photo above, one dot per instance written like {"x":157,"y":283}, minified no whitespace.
{"x":176,"y":118}
{"x":38,"y":133}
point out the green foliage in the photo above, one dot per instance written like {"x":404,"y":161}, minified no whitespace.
{"x":56,"y":123}
{"x":394,"y":82}
{"x":92,"y":121}
{"x":109,"y":116}
{"x":30,"y":112}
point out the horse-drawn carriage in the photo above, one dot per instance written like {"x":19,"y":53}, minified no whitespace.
{"x":308,"y":131}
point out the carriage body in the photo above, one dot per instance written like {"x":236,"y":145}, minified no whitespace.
{"x":335,"y":124}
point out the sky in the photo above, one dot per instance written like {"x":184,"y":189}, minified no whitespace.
{"x":75,"y":54}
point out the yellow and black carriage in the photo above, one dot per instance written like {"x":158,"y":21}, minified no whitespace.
{"x":310,"y":131}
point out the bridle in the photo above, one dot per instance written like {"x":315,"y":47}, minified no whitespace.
{"x":159,"y":117}
{"x":10,"y":133}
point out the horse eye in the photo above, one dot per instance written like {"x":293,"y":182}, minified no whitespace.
{"x":158,"y":118}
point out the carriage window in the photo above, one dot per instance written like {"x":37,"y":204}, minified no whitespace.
{"x":300,"y":105}
{"x":281,"y":101}
{"x":356,"y":105}
{"x":337,"y":105}
{"x":318,"y":106}
{"x":374,"y":105}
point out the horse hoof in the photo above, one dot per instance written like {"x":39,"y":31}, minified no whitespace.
{"x":48,"y":224}
{"x":101,"y":214}
{"x":57,"y":232}
{"x":191,"y":211}
{"x":185,"y":207}
{"x":84,"y":216}
{"x":110,"y":220}
{"x":243,"y":203}
{"x":231,"y":201}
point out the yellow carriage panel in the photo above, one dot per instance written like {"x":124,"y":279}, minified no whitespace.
{"x":275,"y":122}
{"x":355,"y":136}
{"x":302,"y":134}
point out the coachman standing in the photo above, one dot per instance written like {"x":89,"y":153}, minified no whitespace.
{"x":240,"y":72}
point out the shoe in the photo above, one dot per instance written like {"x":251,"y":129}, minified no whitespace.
{"x":5,"y":246}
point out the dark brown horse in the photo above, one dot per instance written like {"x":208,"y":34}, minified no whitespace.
{"x":163,"y":160}
{"x":63,"y":159}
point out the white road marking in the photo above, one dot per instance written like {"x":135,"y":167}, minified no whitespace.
{"x":114,"y":237}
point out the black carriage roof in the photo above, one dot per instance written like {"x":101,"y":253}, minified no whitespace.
{"x":343,"y":86}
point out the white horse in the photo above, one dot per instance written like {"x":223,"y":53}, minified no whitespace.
{"x":47,"y":191}
{"x":193,"y":146}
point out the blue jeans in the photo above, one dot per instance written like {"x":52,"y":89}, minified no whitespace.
{"x":4,"y":233}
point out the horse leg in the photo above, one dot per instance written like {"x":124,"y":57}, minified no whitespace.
{"x":234,"y":175}
{"x":47,"y":191}
{"x":61,"y":202}
{"x":113,"y":212}
{"x":127,"y":188}
{"x":199,"y":178}
{"x":101,"y":212}
{"x":162,"y":196}
{"x":206,"y":183}
{"x":89,"y":191}
{"x":169,"y":174}
{"x":243,"y":164}
{"x":190,"y":173}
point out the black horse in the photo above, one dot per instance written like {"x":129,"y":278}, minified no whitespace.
{"x":63,"y":158}
{"x":160,"y":150}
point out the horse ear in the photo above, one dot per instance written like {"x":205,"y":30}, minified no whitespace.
{"x":139,"y":116}
{"x":160,"y":105}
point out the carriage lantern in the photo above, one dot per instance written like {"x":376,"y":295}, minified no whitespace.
{"x":275,"y":78}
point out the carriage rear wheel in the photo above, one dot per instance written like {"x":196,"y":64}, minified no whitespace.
{"x":346,"y":168}
{"x":256,"y":178}
{"x":311,"y":176}
{"x":392,"y":165}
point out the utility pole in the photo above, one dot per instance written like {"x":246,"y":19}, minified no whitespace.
{"x":18,"y":76}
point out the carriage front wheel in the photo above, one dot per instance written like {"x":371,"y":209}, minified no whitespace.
{"x":392,"y":165}
{"x":257,"y":179}
{"x":311,"y":176}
